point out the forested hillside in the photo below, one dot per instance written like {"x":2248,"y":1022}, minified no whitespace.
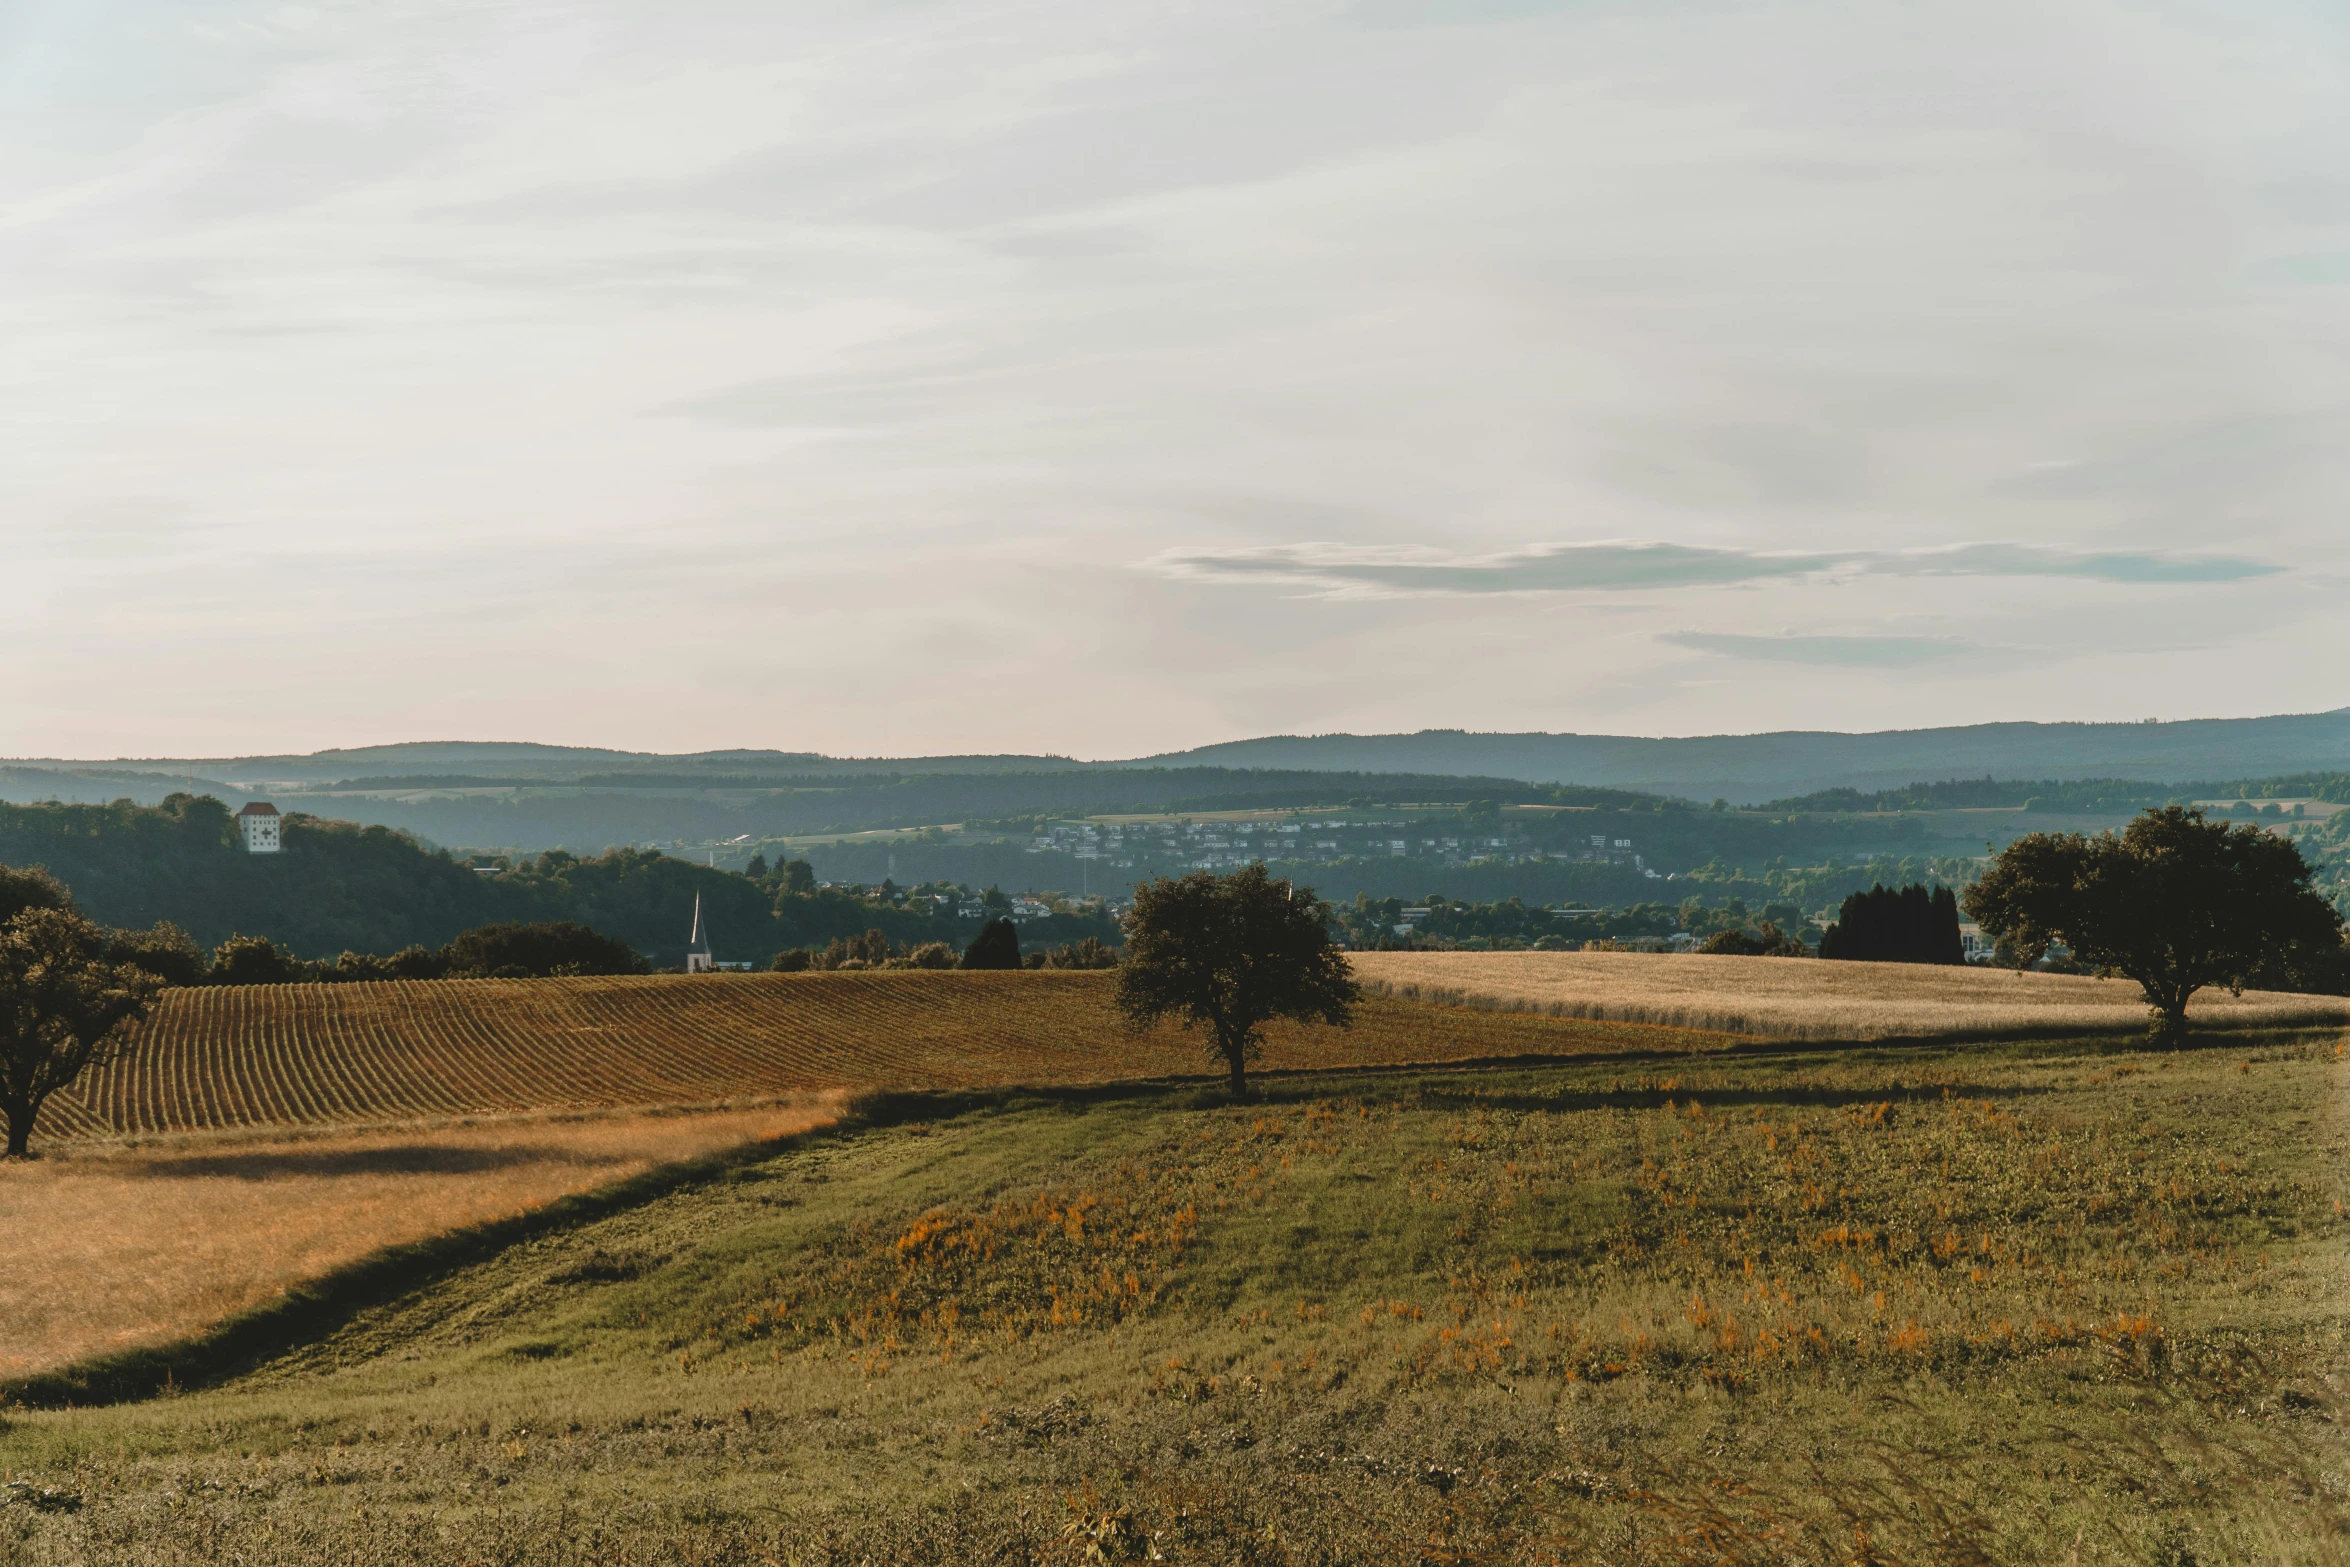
{"x":341,"y":887}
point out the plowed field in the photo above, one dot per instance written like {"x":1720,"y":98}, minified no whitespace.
{"x":270,"y":1055}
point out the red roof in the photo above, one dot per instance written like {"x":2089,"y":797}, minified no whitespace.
{"x":258,"y":808}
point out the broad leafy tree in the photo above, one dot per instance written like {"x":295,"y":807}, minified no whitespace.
{"x":2173,"y":901}
{"x":30,"y":887}
{"x":1227,"y":955}
{"x":64,"y":1008}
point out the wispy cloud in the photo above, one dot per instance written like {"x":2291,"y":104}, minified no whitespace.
{"x":1633,"y":565}
{"x":1833,"y":651}
{"x":651,"y":355}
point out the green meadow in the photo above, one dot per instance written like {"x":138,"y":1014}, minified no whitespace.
{"x":2031,"y":1303}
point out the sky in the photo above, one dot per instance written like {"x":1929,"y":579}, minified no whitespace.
{"x":1103,"y":379}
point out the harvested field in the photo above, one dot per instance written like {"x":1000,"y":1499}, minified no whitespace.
{"x":1795,"y":999}
{"x":279,"y":1055}
{"x":152,"y":1241}
{"x":2065,"y":1302}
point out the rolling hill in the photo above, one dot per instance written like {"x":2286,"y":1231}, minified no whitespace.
{"x":1750,"y":768}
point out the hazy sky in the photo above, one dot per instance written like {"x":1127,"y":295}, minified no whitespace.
{"x":1106,"y":378}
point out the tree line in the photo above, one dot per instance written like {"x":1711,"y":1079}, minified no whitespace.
{"x":340,"y":888}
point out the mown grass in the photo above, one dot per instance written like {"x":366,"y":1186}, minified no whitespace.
{"x":2013,"y":1304}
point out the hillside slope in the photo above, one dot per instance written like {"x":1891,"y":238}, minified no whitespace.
{"x":1988,"y":1305}
{"x":340,"y":886}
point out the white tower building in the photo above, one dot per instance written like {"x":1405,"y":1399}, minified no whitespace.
{"x":259,"y":823}
{"x":697,"y":947}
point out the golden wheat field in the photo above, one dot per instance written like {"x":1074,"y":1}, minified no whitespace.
{"x":156,"y":1238}
{"x":280,"y":1055}
{"x":1813,"y":1000}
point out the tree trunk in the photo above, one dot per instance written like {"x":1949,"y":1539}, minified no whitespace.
{"x":2170,"y":1009}
{"x":1236,"y":1058}
{"x":20,"y":1130}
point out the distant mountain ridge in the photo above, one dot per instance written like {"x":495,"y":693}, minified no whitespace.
{"x":1742,"y":768}
{"x":1751,"y":768}
{"x":519,"y":759}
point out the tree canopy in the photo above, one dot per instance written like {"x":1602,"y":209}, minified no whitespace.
{"x":1227,"y":955}
{"x":63,"y":1009}
{"x":2173,"y":901}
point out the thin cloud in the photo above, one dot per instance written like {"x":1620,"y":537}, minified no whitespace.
{"x":1635,"y":565}
{"x":1832,"y":651}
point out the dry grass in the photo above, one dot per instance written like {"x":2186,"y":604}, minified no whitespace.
{"x":142,"y":1243}
{"x":1790,"y":999}
{"x":2015,"y":1305}
{"x":323,"y":1054}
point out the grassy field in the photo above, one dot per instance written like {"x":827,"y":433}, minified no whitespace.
{"x":155,"y":1238}
{"x":2064,"y":1301}
{"x":1788,"y":999}
{"x":262,"y":1137}
{"x":290,"y":1055}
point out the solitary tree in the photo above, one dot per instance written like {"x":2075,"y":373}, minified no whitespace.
{"x":2174,"y":902}
{"x":1228,"y":954}
{"x":63,"y":1008}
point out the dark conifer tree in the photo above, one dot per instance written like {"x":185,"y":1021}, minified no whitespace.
{"x":1881,"y":925}
{"x":996,"y":946}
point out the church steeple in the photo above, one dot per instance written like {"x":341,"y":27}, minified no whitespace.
{"x":697,"y":947}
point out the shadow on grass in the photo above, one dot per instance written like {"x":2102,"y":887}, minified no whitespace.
{"x":421,"y":1158}
{"x":311,"y":1311}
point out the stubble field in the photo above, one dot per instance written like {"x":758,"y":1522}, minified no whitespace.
{"x":1811,"y":999}
{"x":2071,"y":1302}
{"x":111,"y":1245}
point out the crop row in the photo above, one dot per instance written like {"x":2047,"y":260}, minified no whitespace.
{"x":284,"y":1054}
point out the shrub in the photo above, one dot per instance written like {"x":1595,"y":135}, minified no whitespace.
{"x":254,"y":960}
{"x":1091,"y":953}
{"x":538,"y":951}
{"x":1769,"y":942}
{"x":870,"y":950}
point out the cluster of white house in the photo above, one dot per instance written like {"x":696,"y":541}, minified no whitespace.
{"x":1220,"y":845}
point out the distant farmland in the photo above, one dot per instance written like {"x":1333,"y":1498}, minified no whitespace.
{"x":1808,"y":999}
{"x":278,"y":1055}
